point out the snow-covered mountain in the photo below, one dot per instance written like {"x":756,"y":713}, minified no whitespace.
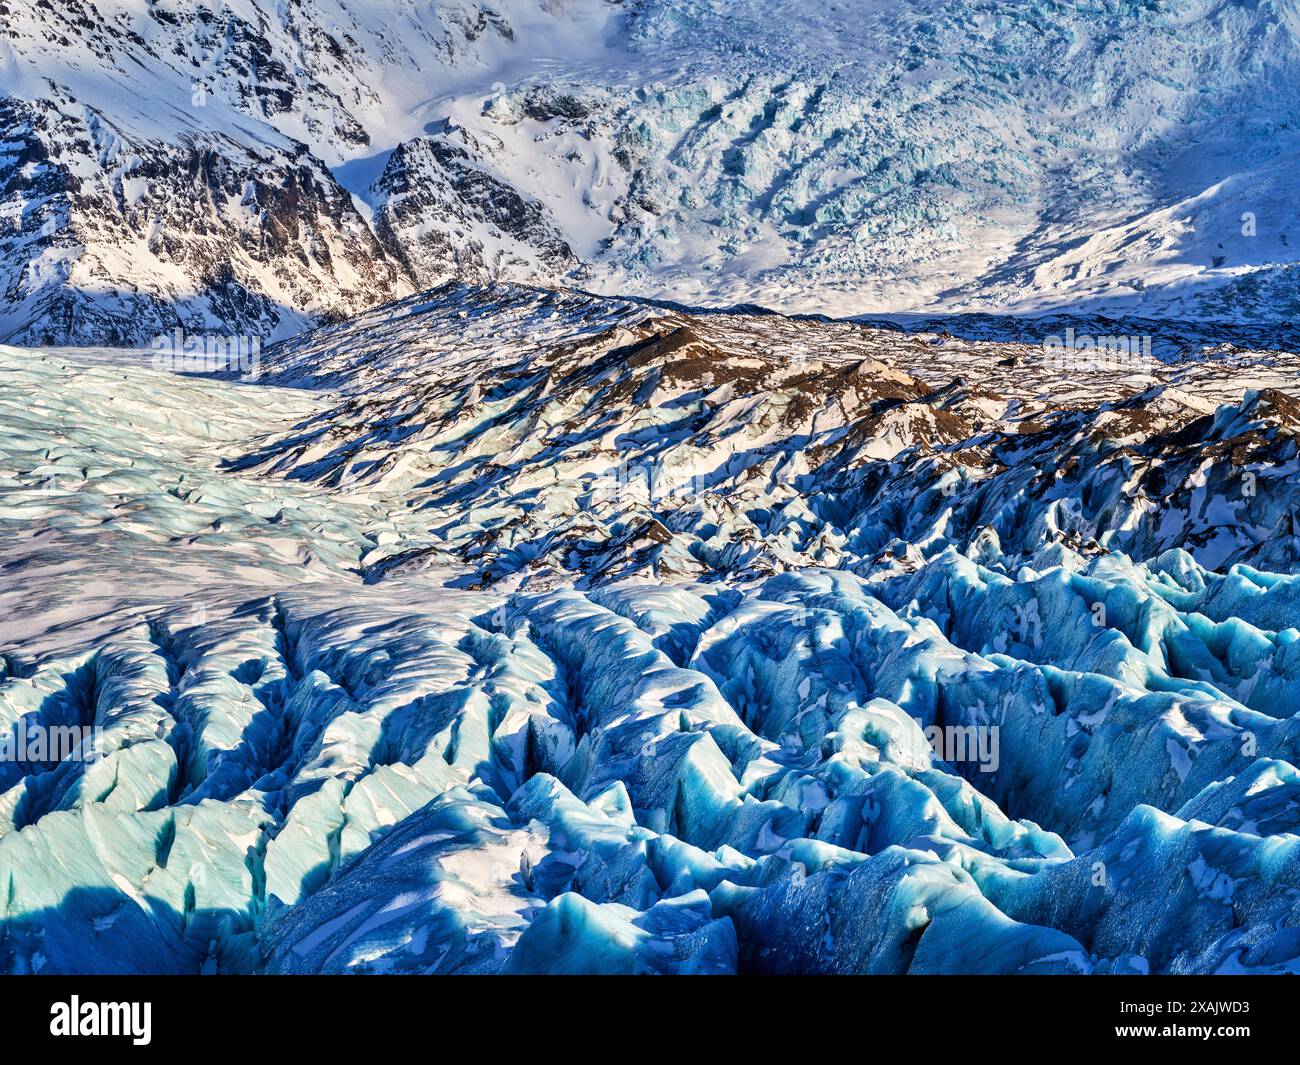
{"x":507,"y":630}
{"x":252,"y":167}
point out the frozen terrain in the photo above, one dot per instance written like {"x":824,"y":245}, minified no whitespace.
{"x":508,"y":630}
{"x":254,"y":167}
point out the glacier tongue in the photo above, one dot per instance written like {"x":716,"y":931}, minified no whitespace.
{"x":506,"y":630}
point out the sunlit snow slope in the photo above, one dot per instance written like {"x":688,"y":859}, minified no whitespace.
{"x":510,"y":631}
{"x":254,"y":167}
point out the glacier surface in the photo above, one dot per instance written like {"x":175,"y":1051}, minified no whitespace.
{"x":511,"y":631}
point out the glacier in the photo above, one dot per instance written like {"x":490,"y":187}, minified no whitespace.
{"x":255,"y":168}
{"x":509,"y":630}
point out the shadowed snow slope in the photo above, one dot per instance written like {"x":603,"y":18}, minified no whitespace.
{"x":507,"y":630}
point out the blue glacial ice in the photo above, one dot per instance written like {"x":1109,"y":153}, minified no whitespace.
{"x":399,"y":672}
